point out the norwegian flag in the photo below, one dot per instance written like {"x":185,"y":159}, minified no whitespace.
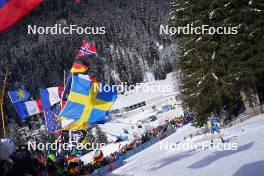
{"x":87,"y":48}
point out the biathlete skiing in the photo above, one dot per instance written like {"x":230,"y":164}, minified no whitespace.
{"x":213,"y":126}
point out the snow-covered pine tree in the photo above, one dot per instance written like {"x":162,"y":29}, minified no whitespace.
{"x":246,"y":48}
{"x":217,"y":67}
{"x":100,"y":136}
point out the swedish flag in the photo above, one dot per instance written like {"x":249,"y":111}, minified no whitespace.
{"x":88,"y":102}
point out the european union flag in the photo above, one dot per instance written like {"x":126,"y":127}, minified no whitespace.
{"x":19,"y":95}
{"x":88,"y":102}
{"x":52,"y":122}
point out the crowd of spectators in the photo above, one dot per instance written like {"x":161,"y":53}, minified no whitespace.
{"x":26,"y":163}
{"x":145,"y":137}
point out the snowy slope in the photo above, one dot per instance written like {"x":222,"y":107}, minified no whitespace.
{"x":167,"y":86}
{"x":247,"y":160}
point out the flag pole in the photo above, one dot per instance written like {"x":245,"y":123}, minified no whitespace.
{"x":64,"y":77}
{"x":1,"y":103}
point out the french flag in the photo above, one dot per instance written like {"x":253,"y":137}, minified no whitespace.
{"x":50,"y":96}
{"x":28,"y":108}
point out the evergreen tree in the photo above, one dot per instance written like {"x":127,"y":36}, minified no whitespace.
{"x":216,"y":67}
{"x":100,"y":136}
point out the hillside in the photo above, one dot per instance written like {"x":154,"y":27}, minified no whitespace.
{"x":130,"y":47}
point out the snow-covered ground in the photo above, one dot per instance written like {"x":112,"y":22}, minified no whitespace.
{"x":246,"y":160}
{"x":148,"y":90}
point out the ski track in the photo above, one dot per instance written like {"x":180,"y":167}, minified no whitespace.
{"x":247,"y":160}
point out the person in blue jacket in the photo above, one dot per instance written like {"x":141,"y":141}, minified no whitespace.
{"x":213,"y":126}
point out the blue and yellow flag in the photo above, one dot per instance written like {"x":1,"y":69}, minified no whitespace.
{"x":18,"y":95}
{"x":88,"y":102}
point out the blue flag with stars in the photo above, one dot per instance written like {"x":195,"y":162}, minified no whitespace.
{"x":18,"y":95}
{"x":52,"y":122}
